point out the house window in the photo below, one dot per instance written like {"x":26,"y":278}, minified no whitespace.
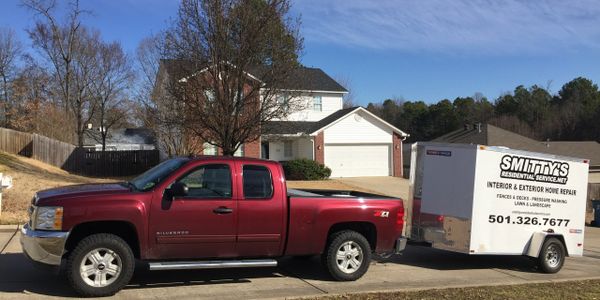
{"x":210,"y":149}
{"x":240,"y":151}
{"x":284,"y":101}
{"x":317,"y":103}
{"x":287,"y":148}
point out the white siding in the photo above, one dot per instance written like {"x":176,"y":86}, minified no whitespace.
{"x":301,"y":148}
{"x":358,"y":128}
{"x":276,"y":151}
{"x":304,"y":148}
{"x":331,"y":103}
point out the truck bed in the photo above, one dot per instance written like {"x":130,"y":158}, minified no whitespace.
{"x":316,"y":193}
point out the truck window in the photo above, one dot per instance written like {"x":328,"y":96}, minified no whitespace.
{"x":257,"y":182}
{"x":208,"y":181}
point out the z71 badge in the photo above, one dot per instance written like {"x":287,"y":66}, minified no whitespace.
{"x":382,"y":213}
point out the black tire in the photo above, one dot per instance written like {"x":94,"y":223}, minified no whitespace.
{"x":552,"y":256}
{"x":334,"y":266}
{"x":103,"y":243}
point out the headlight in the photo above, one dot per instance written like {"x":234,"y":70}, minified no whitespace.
{"x":48,"y":218}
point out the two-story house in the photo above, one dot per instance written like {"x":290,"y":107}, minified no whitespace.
{"x":351,"y":141}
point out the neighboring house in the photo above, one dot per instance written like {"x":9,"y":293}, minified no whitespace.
{"x":352,"y":142}
{"x":486,"y":134}
{"x":120,"y":139}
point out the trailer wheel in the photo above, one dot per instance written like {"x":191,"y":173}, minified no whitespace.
{"x":552,"y":256}
{"x":347,"y":256}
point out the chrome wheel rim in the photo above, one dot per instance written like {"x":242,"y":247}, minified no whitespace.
{"x":349,"y":257}
{"x":553,"y":256}
{"x":100,"y":267}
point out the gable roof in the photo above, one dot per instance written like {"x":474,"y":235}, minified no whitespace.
{"x":312,"y":128}
{"x":301,"y":79}
{"x":491,"y":135}
{"x":121,"y":136}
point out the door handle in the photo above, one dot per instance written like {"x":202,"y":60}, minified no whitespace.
{"x":222,"y":210}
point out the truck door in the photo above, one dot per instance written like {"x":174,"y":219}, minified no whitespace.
{"x":262,"y":211}
{"x":201,"y":224}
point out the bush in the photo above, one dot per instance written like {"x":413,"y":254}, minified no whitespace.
{"x":305,"y":169}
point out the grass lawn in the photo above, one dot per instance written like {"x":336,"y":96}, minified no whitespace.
{"x":585,"y":289}
{"x":30,"y":176}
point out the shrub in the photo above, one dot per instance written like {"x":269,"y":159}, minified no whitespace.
{"x":305,"y":169}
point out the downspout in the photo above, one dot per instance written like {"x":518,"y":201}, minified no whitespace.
{"x":312,"y":141}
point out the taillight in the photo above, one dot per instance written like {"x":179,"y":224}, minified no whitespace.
{"x":440,"y":219}
{"x":400,"y":220}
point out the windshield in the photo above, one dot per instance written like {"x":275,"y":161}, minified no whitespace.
{"x":155,"y":175}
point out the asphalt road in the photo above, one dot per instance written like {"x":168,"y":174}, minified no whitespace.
{"x":417,"y":268}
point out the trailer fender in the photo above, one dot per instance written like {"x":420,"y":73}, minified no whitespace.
{"x":537,"y":241}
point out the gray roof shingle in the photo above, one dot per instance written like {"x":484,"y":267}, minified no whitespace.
{"x":304,"y":127}
{"x":494,"y":136}
{"x":303,"y":78}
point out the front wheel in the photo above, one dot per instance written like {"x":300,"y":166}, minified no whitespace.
{"x":347,"y":256}
{"x":100,"y":265}
{"x":552,"y":256}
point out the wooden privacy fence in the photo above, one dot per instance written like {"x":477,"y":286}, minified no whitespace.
{"x":16,"y":142}
{"x":111,"y":163}
{"x":77,"y":160}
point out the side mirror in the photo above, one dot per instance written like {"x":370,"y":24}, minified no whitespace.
{"x":179,"y":189}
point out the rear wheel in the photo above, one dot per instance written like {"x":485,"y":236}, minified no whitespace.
{"x":552,"y":256}
{"x":347,"y":256}
{"x":100,"y":265}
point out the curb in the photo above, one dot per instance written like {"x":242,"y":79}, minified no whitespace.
{"x":458,"y":286}
{"x":13,"y":227}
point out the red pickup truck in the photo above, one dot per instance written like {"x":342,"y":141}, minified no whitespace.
{"x":200,"y":213}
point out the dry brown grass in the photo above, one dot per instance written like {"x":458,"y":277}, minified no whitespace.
{"x":30,"y":176}
{"x":585,"y":289}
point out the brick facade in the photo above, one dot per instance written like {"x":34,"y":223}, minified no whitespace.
{"x":252,"y":149}
{"x":320,"y":148}
{"x":397,"y":155}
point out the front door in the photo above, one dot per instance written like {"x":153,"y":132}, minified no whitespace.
{"x":201,"y":224}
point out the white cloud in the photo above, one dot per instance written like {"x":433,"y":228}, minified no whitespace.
{"x":455,"y":26}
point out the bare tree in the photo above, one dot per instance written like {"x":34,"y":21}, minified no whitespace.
{"x":10,"y":49}
{"x":109,"y":87}
{"x":155,"y":111}
{"x":238,"y":55}
{"x":349,"y":99}
{"x":61,"y":43}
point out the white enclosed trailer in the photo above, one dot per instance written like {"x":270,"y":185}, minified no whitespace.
{"x":478,"y":199}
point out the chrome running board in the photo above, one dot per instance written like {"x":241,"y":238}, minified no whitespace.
{"x":211,"y":264}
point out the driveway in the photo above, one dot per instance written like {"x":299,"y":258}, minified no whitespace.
{"x":385,"y":185}
{"x":417,"y":268}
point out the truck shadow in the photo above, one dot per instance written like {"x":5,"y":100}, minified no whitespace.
{"x":430,"y":258}
{"x":18,"y":275}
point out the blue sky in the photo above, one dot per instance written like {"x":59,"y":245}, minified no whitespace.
{"x":417,"y":50}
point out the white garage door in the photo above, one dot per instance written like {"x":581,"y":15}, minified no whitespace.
{"x":358,"y":160}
